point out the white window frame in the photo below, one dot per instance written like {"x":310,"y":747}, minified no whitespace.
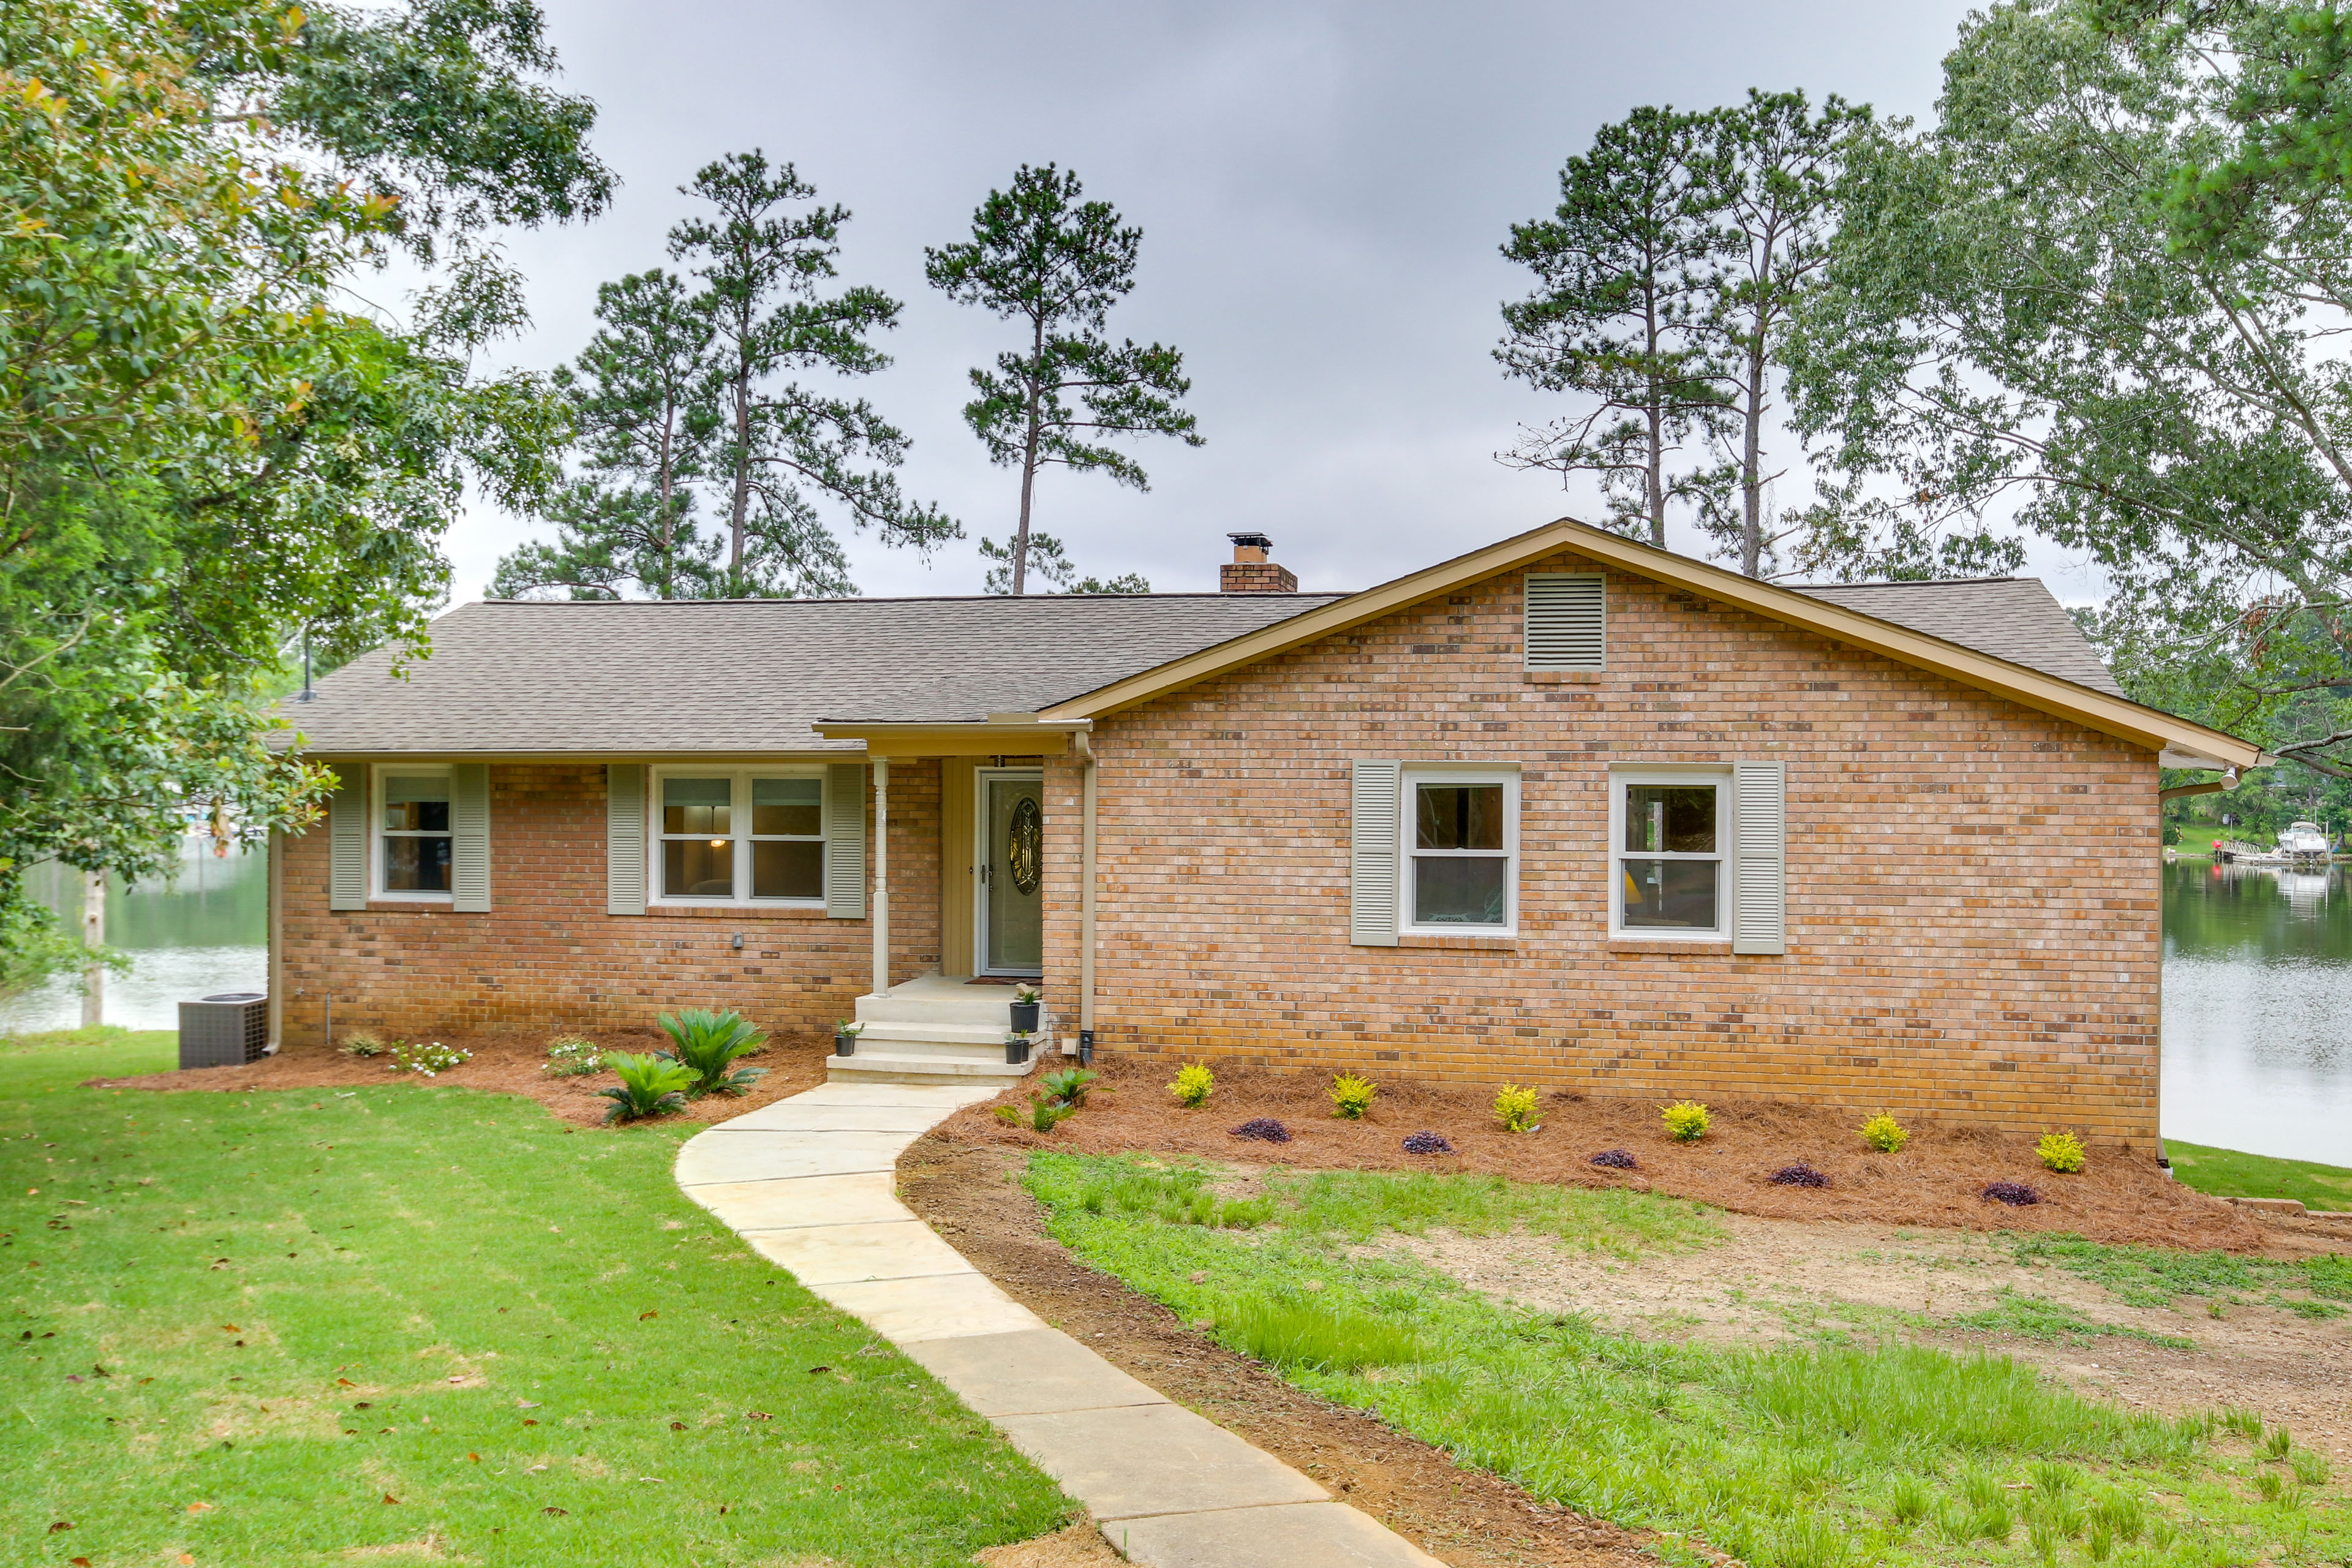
{"x":1725,"y":840}
{"x":738,"y":820}
{"x":1408,"y":819}
{"x":376,"y":831}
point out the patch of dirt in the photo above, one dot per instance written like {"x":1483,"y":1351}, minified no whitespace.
{"x":1463,"y":1516}
{"x":1079,"y":1546}
{"x":1937,"y":1181}
{"x":504,"y":1063}
{"x":1779,"y":1281}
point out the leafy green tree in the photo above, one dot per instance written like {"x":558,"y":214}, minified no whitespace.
{"x":2103,"y":294}
{"x":1042,"y":256}
{"x":779,"y":445}
{"x":645,"y":431}
{"x":203,"y":451}
{"x":1618,"y":318}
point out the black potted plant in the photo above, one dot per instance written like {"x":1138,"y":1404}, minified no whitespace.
{"x":1016,"y":1049}
{"x":844,"y":1037}
{"x":1024,"y":1009}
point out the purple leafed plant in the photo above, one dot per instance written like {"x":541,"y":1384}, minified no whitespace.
{"x":1265,"y":1128}
{"x":1616,"y":1160}
{"x":1426,"y":1143}
{"x":2017,"y":1194}
{"x":1799,"y":1175}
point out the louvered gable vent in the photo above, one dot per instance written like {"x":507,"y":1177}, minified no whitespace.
{"x":1568,"y":616}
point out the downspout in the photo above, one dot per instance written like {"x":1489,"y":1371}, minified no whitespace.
{"x":881,"y":875}
{"x":1085,"y":744}
{"x":275,"y":981}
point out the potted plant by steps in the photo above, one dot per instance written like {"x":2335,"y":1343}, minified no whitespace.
{"x":845,"y":1037}
{"x":1026,"y":1002}
{"x":1016,"y":1049}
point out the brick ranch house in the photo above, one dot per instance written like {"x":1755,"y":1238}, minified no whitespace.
{"x":1566,"y":810}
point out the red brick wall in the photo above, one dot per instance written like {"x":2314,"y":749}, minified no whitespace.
{"x":547,"y":956}
{"x":1972,"y":896}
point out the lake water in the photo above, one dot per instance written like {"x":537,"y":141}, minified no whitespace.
{"x":2258,"y":1009}
{"x":205,"y":933}
{"x":2257,"y":987}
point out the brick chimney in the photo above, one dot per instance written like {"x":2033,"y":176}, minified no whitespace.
{"x":1250,"y":572}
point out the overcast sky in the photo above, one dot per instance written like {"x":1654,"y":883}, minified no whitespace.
{"x":1321,"y":187}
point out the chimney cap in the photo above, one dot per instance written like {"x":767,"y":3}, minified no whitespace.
{"x":1251,"y":540}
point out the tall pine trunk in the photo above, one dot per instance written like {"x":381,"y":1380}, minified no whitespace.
{"x":1029,"y":458}
{"x":742,"y":507}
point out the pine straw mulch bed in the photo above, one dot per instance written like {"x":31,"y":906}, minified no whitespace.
{"x":507,"y":1063}
{"x":1936,"y":1180}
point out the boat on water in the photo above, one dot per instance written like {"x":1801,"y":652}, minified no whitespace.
{"x":2302,"y":841}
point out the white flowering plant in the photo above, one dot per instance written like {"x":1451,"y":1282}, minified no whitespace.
{"x":569,"y":1055}
{"x":428,"y":1059}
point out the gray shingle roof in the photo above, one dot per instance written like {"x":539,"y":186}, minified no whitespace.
{"x":514,"y":676}
{"x":2015,"y":618}
{"x":510,"y":678}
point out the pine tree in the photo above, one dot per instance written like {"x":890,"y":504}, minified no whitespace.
{"x":780,"y":446}
{"x":644,"y":439}
{"x":1041,"y":257}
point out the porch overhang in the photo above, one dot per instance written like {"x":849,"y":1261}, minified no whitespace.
{"x":999,"y":735}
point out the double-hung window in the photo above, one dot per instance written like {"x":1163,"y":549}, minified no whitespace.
{"x":1670,"y":860}
{"x":735,"y":836}
{"x":413,"y":838}
{"x":1460,"y":853}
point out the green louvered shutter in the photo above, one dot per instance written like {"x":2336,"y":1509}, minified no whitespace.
{"x":347,"y":856}
{"x":624,"y":838}
{"x":469,"y":837}
{"x":845,"y":841}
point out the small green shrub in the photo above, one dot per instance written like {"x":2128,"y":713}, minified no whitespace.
{"x":707,"y":1044}
{"x":428,"y":1061}
{"x":569,"y":1055}
{"x":651,"y":1084}
{"x":1515,"y":1108}
{"x":1886,"y":1134}
{"x":2279,"y":1443}
{"x":1069,"y":1086}
{"x":1687,"y":1120}
{"x":2061,"y":1152}
{"x":1194,"y":1084}
{"x":1352,"y":1096}
{"x":363,"y":1042}
{"x":1044,"y":1112}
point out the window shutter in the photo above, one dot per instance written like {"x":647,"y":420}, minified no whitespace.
{"x":624,"y":838}
{"x":1567,"y":620}
{"x":347,"y":844}
{"x":1373,"y":854}
{"x":1759,"y":866}
{"x":469,"y":838}
{"x":845,"y":841}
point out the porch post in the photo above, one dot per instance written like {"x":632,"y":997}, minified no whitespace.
{"x":881,"y":875}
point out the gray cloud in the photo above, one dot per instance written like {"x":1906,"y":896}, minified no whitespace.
{"x":1322,"y":189}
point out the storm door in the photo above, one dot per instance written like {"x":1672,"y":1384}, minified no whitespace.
{"x":1010,"y":924}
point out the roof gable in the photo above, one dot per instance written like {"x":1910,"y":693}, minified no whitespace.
{"x":2100,"y":706}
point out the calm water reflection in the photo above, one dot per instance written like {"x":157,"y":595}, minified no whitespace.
{"x":201,"y":934}
{"x":2258,"y":1009}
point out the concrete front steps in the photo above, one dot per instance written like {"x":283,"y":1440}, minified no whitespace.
{"x":932,"y":1029}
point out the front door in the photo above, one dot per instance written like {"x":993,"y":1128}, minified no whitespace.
{"x":1010,"y":923}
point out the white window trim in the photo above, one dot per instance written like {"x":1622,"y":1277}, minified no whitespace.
{"x":1727,"y":841}
{"x":377,"y":891}
{"x":738,"y":811}
{"x":1408,"y":815}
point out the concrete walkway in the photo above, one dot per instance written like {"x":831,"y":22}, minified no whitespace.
{"x":812,"y":1183}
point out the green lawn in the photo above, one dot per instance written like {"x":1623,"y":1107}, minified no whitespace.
{"x":242,"y":1325}
{"x":2196,"y":839}
{"x":1832,"y":1455}
{"x":2227,"y":1174}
